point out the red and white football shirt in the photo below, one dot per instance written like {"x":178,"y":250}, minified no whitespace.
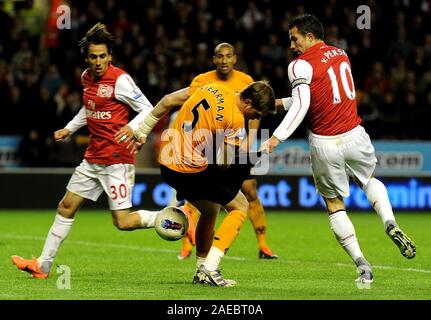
{"x":107,"y":102}
{"x":323,"y":90}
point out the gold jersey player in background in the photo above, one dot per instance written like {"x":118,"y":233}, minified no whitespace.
{"x":225,"y":59}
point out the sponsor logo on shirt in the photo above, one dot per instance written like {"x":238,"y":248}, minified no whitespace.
{"x":105,"y":91}
{"x":137,"y":93}
{"x":104,"y":115}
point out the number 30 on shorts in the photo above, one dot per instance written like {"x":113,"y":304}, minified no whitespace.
{"x":121,"y":191}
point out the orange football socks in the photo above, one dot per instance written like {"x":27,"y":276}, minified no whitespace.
{"x":229,"y":230}
{"x":257,"y":218}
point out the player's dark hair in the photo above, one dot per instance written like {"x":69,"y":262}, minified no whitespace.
{"x":261,"y":95}
{"x":98,"y":34}
{"x":308,"y":23}
{"x":221,"y":45}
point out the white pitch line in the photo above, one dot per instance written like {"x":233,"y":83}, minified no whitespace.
{"x":389,"y":268}
{"x":148,"y":249}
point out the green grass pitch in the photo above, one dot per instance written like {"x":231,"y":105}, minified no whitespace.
{"x":106,"y":263}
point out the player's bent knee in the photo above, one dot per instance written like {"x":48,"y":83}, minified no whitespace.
{"x":66,"y":210}
{"x":249,"y":189}
{"x":251,"y":195}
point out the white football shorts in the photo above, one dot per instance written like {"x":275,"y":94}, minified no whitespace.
{"x":117,"y":180}
{"x":335,"y":158}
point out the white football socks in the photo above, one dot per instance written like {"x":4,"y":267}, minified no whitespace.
{"x":56,"y":235}
{"x":344,"y":231}
{"x":213,"y":258}
{"x":148,"y":218}
{"x":377,"y":195}
{"x":199,"y":261}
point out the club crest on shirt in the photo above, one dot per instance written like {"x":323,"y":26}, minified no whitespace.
{"x":105,"y":91}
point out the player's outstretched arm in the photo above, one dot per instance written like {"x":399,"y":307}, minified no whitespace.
{"x":164,"y":106}
{"x":284,"y":103}
{"x":61,"y":134}
{"x":169,"y":101}
{"x":138,"y":137}
{"x":269,"y":145}
{"x":78,"y":121}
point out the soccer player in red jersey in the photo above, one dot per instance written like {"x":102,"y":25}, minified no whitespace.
{"x":109,"y":94}
{"x":323,"y":89}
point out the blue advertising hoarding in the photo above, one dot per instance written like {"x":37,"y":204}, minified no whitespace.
{"x":298,"y":192}
{"x":8,"y":150}
{"x":34,"y":189}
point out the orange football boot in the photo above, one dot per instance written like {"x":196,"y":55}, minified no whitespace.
{"x":184,"y":254}
{"x":266,"y":253}
{"x":30,"y":266}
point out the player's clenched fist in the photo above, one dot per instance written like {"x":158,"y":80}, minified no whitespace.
{"x":61,"y":134}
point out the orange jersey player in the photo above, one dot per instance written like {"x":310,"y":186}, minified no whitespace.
{"x":211,"y":109}
{"x":225,"y":59}
{"x":211,"y":120}
{"x":236,"y":81}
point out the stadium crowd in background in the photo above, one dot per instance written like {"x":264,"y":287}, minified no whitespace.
{"x":165,"y":43}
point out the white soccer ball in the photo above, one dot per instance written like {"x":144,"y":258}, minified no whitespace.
{"x":171,"y":223}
